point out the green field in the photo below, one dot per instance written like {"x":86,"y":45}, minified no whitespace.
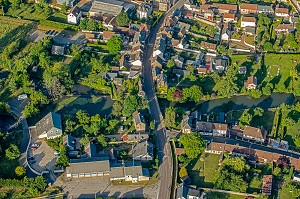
{"x":204,"y":174}
{"x":27,"y":11}
{"x":12,"y":30}
{"x":59,"y":17}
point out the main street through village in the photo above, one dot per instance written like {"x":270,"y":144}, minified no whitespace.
{"x":164,"y":148}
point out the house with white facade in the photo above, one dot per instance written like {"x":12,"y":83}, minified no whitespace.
{"x":144,"y":11}
{"x":248,"y":22}
{"x":75,"y":15}
{"x":282,"y":12}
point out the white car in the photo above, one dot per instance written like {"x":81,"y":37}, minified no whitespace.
{"x":22,"y":97}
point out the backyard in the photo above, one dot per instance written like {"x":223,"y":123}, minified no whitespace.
{"x":204,"y":173}
{"x":28,"y":11}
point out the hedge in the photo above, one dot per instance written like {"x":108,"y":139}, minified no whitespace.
{"x":58,"y":25}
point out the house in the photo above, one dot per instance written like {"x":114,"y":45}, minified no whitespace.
{"x":281,"y":12}
{"x":139,"y":121}
{"x":144,"y":11}
{"x":220,"y":63}
{"x":264,"y":9}
{"x":225,"y":36}
{"x":285,"y":28}
{"x":178,"y":61}
{"x":70,"y":142}
{"x":88,"y":167}
{"x":293,"y":19}
{"x":107,"y":35}
{"x":208,"y":46}
{"x":267,"y":185}
{"x":49,"y":127}
{"x":202,"y":71}
{"x":242,"y":70}
{"x":253,"y":133}
{"x":188,"y":192}
{"x":163,"y":6}
{"x":90,"y":150}
{"x":296,"y":177}
{"x":142,"y":151}
{"x":160,"y":47}
{"x":75,"y":15}
{"x":251,"y":82}
{"x":57,"y":50}
{"x":215,"y":129}
{"x":224,"y":8}
{"x":186,"y":124}
{"x":109,"y":7}
{"x":129,"y":173}
{"x":247,"y":8}
{"x":135,"y":137}
{"x":248,"y":22}
{"x":110,"y":75}
{"x":229,"y":17}
{"x":181,"y":73}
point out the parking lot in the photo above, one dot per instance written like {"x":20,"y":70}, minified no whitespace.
{"x":101,"y":187}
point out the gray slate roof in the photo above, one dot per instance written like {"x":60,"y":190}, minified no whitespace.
{"x":143,"y":148}
{"x":88,"y":165}
{"x":48,"y":122}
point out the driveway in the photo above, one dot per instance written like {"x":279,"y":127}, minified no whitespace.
{"x":101,"y":187}
{"x":63,"y":39}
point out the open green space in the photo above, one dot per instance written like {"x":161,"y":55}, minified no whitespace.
{"x":201,"y":27}
{"x":28,"y":11}
{"x":216,"y":195}
{"x":59,"y":17}
{"x":204,"y":173}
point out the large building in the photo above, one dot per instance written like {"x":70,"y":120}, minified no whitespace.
{"x":49,"y":127}
{"x":109,"y":7}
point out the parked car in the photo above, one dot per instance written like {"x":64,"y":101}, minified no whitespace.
{"x":35,"y":145}
{"x":56,"y":153}
{"x":22,"y":97}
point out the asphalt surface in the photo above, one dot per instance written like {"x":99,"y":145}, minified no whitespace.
{"x":163,"y":146}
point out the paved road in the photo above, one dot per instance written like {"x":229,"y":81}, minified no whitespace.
{"x":164,"y":148}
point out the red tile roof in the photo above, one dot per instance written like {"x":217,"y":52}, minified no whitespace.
{"x":248,"y":6}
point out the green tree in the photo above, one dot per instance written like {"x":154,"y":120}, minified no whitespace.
{"x":245,"y":119}
{"x":117,"y":108}
{"x":276,"y":171}
{"x":63,"y":159}
{"x":268,"y":46}
{"x":20,"y":171}
{"x":64,"y":8}
{"x":170,"y":117}
{"x":193,"y":144}
{"x":194,"y":93}
{"x":258,"y":111}
{"x":12,"y":152}
{"x":171,"y":63}
{"x":91,"y":25}
{"x":31,"y":109}
{"x":227,"y":86}
{"x":122,"y":19}
{"x":114,"y":44}
{"x":183,"y":172}
{"x":84,"y":141}
{"x":102,"y":140}
{"x":82,"y":117}
{"x":131,"y":104}
{"x":181,"y":158}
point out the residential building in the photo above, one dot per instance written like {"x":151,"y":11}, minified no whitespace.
{"x":49,"y":127}
{"x":160,"y":48}
{"x":188,"y":192}
{"x":224,"y":8}
{"x":267,"y":185}
{"x":242,"y":70}
{"x":253,"y":133}
{"x":264,"y":9}
{"x":57,"y":50}
{"x":251,"y":82}
{"x":250,"y":30}
{"x":215,"y":129}
{"x":139,"y":122}
{"x":142,"y":151}
{"x":208,"y":46}
{"x":186,"y":124}
{"x":248,"y":22}
{"x":285,"y":28}
{"x":139,"y":137}
{"x":181,"y":72}
{"x":70,"y":142}
{"x":75,"y":15}
{"x":109,"y":7}
{"x":88,"y":167}
{"x":282,"y":12}
{"x":229,"y":17}
{"x":110,"y":75}
{"x":162,"y":79}
{"x":178,"y":61}
{"x":220,"y":63}
{"x":107,"y":35}
{"x":294,"y":19}
{"x":247,"y":8}
{"x":144,"y":11}
{"x":202,"y":70}
{"x":129,"y":173}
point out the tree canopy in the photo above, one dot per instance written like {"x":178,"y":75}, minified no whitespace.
{"x":122,"y":19}
{"x":12,"y":152}
{"x":193,"y":144}
{"x":114,"y":44}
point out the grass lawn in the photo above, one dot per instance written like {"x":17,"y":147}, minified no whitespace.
{"x":278,"y":69}
{"x":27,"y":11}
{"x":153,"y":180}
{"x":59,"y":17}
{"x":100,"y":47}
{"x":216,"y":195}
{"x":204,"y":174}
{"x":249,"y":39}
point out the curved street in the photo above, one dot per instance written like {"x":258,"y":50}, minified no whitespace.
{"x":164,"y":148}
